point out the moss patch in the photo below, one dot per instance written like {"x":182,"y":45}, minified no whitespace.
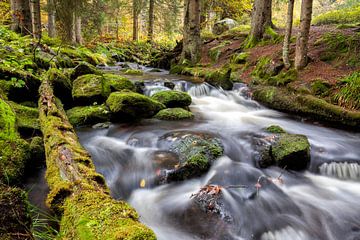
{"x":174,"y":114}
{"x":173,"y":99}
{"x":113,"y":83}
{"x":80,"y":116}
{"x":275,"y":129}
{"x":7,"y":121}
{"x":27,"y":119}
{"x":128,"y":105}
{"x":88,"y":89}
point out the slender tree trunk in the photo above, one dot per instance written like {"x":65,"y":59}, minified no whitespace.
{"x":117,"y":28}
{"x":192,"y":41}
{"x":73,"y":28}
{"x":51,"y":18}
{"x":135,"y":21}
{"x":288,"y":32}
{"x":21,"y":17}
{"x":151,"y":20}
{"x":260,"y":19}
{"x":15,"y":24}
{"x":36,"y":18}
{"x":301,"y":58}
{"x":78,"y":29}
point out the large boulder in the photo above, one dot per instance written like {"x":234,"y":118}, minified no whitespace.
{"x":196,"y":152}
{"x":114,"y":83}
{"x":88,"y":115}
{"x":173,"y":99}
{"x":223,"y":26}
{"x":128,"y":105}
{"x":88,"y":89}
{"x":290,"y":151}
{"x":174,"y":114}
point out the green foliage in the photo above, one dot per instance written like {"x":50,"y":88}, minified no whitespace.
{"x":341,"y":16}
{"x":27,"y":118}
{"x":215,"y":52}
{"x":349,"y":94}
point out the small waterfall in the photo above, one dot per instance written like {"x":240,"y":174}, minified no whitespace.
{"x":151,"y":90}
{"x":200,"y":90}
{"x":341,"y":170}
{"x":285,"y":234}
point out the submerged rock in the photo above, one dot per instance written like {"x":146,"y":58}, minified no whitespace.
{"x":174,"y":114}
{"x":196,"y":152}
{"x":88,"y":89}
{"x":127,"y":105}
{"x":173,"y":99}
{"x":88,"y":115}
{"x":288,"y":151}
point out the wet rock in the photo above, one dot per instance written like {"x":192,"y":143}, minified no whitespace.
{"x":173,"y":99}
{"x":169,"y":85}
{"x":135,"y":72}
{"x":223,"y":26}
{"x":88,"y":115}
{"x":139,"y":87}
{"x":15,"y":220}
{"x":196,"y":152}
{"x":127,"y":106}
{"x":101,"y":125}
{"x":288,"y":151}
{"x":174,"y":114}
{"x":88,"y":89}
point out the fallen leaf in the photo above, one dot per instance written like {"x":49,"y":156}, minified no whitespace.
{"x":142,"y":183}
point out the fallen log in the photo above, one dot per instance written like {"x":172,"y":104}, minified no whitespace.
{"x":77,"y":192}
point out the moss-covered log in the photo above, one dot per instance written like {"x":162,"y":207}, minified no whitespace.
{"x":76,"y":190}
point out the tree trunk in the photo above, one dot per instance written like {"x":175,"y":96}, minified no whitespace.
{"x":192,"y":41}
{"x":260,"y":19}
{"x":301,"y":58}
{"x":117,"y":29}
{"x":21,"y":17}
{"x":51,"y":18}
{"x":36,"y":18}
{"x":288,"y":31}
{"x":73,"y":28}
{"x":78,"y":31}
{"x":151,"y":21}
{"x":135,"y":21}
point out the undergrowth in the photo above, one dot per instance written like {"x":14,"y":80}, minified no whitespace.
{"x":349,"y":94}
{"x":340,"y":16}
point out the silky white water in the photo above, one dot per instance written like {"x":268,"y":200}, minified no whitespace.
{"x":320,"y":203}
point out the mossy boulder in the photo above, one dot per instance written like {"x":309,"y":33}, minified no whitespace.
{"x":62,"y":85}
{"x":174,"y":114}
{"x":83,"y":68}
{"x":15,"y":219}
{"x":88,"y":115}
{"x":27,"y":119}
{"x":220,"y":78}
{"x":196,"y":152}
{"x":173,"y":99}
{"x":279,"y":148}
{"x":88,"y":89}
{"x":127,"y":105}
{"x":14,"y":155}
{"x":114,"y":83}
{"x":93,"y":215}
{"x":45,"y":60}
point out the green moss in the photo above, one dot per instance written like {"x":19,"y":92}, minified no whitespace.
{"x":7,"y":121}
{"x":260,"y":70}
{"x":275,"y":129}
{"x":113,"y":83}
{"x":80,"y":116}
{"x":240,"y":58}
{"x":220,"y":78}
{"x":88,"y":89}
{"x":93,"y":215}
{"x":198,"y":161}
{"x":133,"y":72}
{"x":84,"y":68}
{"x":14,"y":155}
{"x":57,"y":78}
{"x":320,"y":88}
{"x":174,"y":114}
{"x":173,"y":99}
{"x":37,"y":150}
{"x":131,"y":105}
{"x":345,"y":15}
{"x":283,"y":78}
{"x":15,"y":217}
{"x":27,"y":118}
{"x":349,"y":94}
{"x":176,"y":69}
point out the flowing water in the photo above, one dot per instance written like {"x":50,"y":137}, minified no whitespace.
{"x":320,"y":203}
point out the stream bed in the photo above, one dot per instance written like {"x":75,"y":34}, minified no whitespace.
{"x":320,"y":203}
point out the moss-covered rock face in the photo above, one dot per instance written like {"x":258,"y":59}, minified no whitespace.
{"x":128,"y":105}
{"x":173,"y":99}
{"x":88,"y":115}
{"x":15,"y":220}
{"x":83,"y":68}
{"x":291,"y":151}
{"x":27,"y":119}
{"x":88,"y":89}
{"x":196,"y":154}
{"x":92,"y":215}
{"x":307,"y":105}
{"x":62,"y":85}
{"x":174,"y":114}
{"x":14,"y":155}
{"x":113,"y":83}
{"x":7,"y":121}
